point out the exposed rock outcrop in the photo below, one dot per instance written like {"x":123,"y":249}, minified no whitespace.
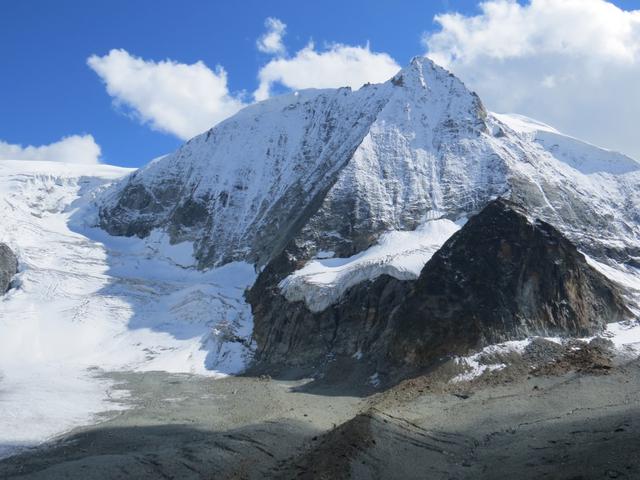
{"x":502,"y":276}
{"x":8,"y":267}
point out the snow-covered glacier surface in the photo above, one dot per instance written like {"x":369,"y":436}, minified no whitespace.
{"x":84,"y":303}
{"x":400,"y":254}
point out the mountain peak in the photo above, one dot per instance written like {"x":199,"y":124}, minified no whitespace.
{"x":359,"y":164}
{"x":424,"y":72}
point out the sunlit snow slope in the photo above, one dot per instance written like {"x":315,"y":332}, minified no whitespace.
{"x":84,"y":302}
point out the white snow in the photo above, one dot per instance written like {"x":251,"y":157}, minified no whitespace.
{"x":401,"y":254}
{"x":522,"y":124}
{"x":625,"y":336}
{"x":86,"y":303}
{"x":582,"y":156}
{"x":473,"y":365}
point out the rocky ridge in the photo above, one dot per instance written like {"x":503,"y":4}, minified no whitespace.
{"x":503,"y":276}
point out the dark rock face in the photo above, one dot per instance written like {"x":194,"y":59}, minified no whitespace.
{"x":8,"y":267}
{"x":501,"y":277}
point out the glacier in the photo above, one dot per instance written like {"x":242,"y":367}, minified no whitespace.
{"x":86,"y":303}
{"x":400,"y":254}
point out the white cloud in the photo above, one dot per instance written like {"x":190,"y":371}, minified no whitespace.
{"x":271,"y":41}
{"x":72,"y":149}
{"x":573,"y":63}
{"x":337,"y":66}
{"x":172,"y":97}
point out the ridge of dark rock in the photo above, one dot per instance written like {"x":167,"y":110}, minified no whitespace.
{"x":503,"y":276}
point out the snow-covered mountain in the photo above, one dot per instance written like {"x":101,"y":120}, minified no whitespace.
{"x":333,"y":170}
{"x":323,"y":190}
{"x":303,"y":196}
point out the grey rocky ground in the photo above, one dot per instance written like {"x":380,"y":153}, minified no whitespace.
{"x":578,"y":419}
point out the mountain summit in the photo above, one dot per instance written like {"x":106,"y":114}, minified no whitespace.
{"x":353,"y":163}
{"x":335,"y":169}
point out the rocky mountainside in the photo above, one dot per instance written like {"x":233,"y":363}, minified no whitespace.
{"x":326,"y":191}
{"x":8,"y":267}
{"x":503,"y":276}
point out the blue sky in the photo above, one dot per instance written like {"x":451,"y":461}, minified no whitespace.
{"x":47,"y":90}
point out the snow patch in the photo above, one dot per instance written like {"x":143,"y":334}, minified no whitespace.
{"x":473,"y":363}
{"x":624,"y":335}
{"x":401,"y":254}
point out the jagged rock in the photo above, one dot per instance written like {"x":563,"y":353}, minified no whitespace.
{"x":502,"y":276}
{"x":8,"y":267}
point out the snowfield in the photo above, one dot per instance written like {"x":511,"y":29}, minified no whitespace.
{"x":84,"y":302}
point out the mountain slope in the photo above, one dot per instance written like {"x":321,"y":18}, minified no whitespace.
{"x":332,"y":170}
{"x":239,"y":190}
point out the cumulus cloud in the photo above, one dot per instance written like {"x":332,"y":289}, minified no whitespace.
{"x":72,"y":149}
{"x":177,"y":98}
{"x":574,"y":63}
{"x":337,"y":66}
{"x":271,"y":41}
